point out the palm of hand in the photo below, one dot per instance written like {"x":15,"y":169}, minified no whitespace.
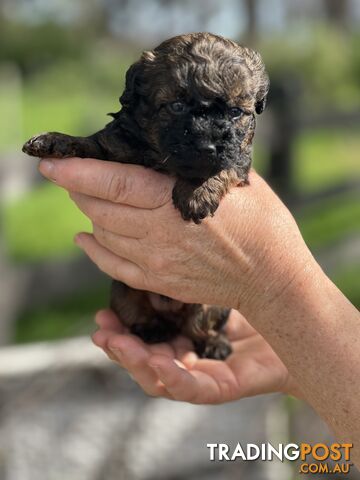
{"x":174,"y":371}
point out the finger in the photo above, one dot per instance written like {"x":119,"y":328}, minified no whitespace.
{"x":100,"y":339}
{"x":256,"y":367}
{"x":118,"y":268}
{"x":112,"y":345}
{"x":117,"y":182}
{"x":120,"y":219}
{"x":124,"y":247}
{"x":238,"y":327}
{"x":184,"y":350}
{"x":183,"y":385}
{"x":133,"y":355}
{"x":107,"y":320}
{"x":227,"y":385}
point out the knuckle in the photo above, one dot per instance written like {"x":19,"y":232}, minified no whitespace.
{"x":118,"y":274}
{"x":99,"y":233}
{"x":94,"y":214}
{"x":119,"y":188}
{"x":164,"y":194}
{"x":133,"y":280}
{"x":157,"y":263}
{"x":135,"y":283}
{"x":135,"y":365}
{"x":226,"y":388}
{"x":160,"y":235}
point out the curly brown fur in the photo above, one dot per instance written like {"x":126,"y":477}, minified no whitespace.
{"x":188,"y":109}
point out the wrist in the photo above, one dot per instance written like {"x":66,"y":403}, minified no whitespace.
{"x":286,"y":293}
{"x":277,"y":274}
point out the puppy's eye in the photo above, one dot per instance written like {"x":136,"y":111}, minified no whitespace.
{"x":235,"y":112}
{"x":177,"y":107}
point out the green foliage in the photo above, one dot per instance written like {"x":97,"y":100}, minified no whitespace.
{"x":326,"y":157}
{"x":63,"y":318}
{"x":73,"y":96}
{"x":70,"y":77}
{"x":42,"y":224}
{"x":347,"y":280}
{"x":33,"y":46}
{"x":325,"y":62}
{"x":330,"y":220}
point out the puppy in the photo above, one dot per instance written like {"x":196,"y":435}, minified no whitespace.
{"x":188,"y":110}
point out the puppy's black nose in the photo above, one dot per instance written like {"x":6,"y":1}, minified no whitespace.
{"x":207,"y":149}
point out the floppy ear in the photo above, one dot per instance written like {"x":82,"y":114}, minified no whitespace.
{"x":135,"y":81}
{"x":261,"y":96}
{"x":260,"y":105}
{"x":255,"y":64}
{"x":130,"y":95}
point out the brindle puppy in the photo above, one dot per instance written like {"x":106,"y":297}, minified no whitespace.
{"x":188,"y":110}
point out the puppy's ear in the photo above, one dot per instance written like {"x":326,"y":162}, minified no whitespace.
{"x":136,"y":80}
{"x":256,"y":66}
{"x":260,"y":105}
{"x":262,"y":93}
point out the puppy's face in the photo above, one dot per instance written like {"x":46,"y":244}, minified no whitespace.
{"x":194,"y":97}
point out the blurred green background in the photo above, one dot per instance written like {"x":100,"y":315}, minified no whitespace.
{"x":62,"y":67}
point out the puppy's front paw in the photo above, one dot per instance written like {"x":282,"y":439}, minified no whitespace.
{"x":56,"y":145}
{"x":197,"y":210}
{"x":194,"y":203}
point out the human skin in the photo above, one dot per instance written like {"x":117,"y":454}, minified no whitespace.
{"x":300,"y":336}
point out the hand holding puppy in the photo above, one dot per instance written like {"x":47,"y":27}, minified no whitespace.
{"x":250,"y":257}
{"x":141,"y":239}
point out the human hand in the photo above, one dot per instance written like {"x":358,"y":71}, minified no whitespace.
{"x":174,"y":371}
{"x":243,"y":257}
{"x":249,"y":256}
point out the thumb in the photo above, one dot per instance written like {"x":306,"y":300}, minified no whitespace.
{"x":116,"y":182}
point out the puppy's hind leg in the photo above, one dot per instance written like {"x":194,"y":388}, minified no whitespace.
{"x":205,"y":329}
{"x":216,"y":346}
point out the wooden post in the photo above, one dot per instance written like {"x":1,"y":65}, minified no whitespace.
{"x":283,"y":99}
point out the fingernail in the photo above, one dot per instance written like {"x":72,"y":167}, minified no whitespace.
{"x":47,"y":168}
{"x":179,"y":364}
